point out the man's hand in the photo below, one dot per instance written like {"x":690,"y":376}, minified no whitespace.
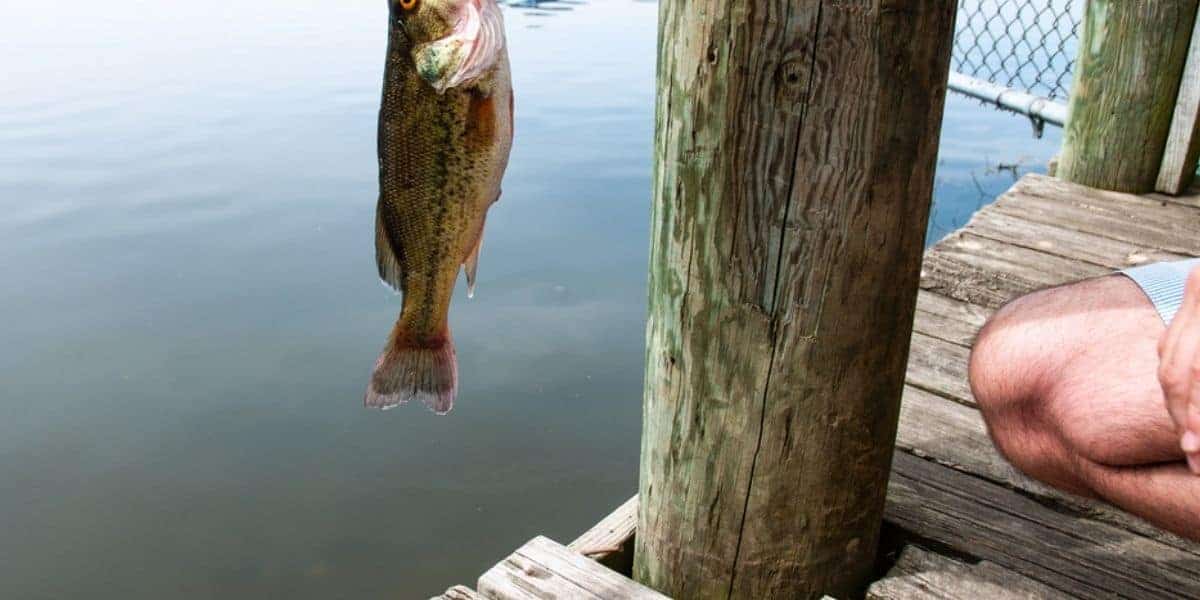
{"x":1179,"y":371}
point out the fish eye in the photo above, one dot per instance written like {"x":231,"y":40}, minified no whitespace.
{"x":408,"y":5}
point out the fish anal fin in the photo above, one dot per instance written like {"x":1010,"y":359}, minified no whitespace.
{"x":385,"y":255}
{"x":471,"y":263}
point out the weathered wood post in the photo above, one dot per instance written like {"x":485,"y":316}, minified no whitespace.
{"x":1178,"y":168}
{"x":795,"y":155}
{"x":1127,"y":73}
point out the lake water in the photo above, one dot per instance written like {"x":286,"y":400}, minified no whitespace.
{"x":191,"y":310}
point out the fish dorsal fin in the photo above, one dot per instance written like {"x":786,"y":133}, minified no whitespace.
{"x":385,"y":255}
{"x":471,"y":263}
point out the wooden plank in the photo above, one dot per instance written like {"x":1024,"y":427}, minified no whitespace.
{"x":1156,"y":208}
{"x":939,"y":367}
{"x":1178,"y":167}
{"x":970,"y":283}
{"x":459,"y":592}
{"x":1190,"y":198}
{"x":543,"y":569}
{"x":1035,"y":266}
{"x":1062,"y":241}
{"x":1134,"y":219}
{"x":923,"y":575}
{"x":1127,"y":73}
{"x":1068,"y":553}
{"x":955,"y":436}
{"x":988,"y":273}
{"x":1106,"y":222}
{"x":610,"y":542}
{"x":948,"y":319}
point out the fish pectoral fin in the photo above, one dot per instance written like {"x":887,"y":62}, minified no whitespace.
{"x":385,"y":255}
{"x":472,"y":261}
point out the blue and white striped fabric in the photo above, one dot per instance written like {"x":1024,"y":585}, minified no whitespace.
{"x":1163,"y":283}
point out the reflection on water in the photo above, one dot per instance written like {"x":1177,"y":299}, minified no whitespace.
{"x":186,"y":224}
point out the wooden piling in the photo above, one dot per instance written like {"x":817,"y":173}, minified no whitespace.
{"x":1127,"y":73}
{"x":795,"y":152}
{"x":1178,"y":168}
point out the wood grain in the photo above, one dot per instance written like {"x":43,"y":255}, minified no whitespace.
{"x":1064,"y":242}
{"x":947,"y":319}
{"x":970,"y":283}
{"x":939,"y":367}
{"x":794,"y":164}
{"x":920,"y":574}
{"x":953,"y":435}
{"x":1040,"y":268}
{"x":1070,"y":553}
{"x":459,"y":592}
{"x":1165,"y":226}
{"x":543,"y":569}
{"x":1178,"y":168}
{"x":1127,"y":71}
{"x":610,"y":542}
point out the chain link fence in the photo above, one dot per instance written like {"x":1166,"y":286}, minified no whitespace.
{"x":1022,"y":46}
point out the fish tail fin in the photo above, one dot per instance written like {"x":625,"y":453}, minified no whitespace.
{"x":415,"y":368}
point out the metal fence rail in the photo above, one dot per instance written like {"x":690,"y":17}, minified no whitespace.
{"x":1017,"y":55}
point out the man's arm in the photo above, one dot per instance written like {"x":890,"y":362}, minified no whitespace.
{"x":1179,"y":371}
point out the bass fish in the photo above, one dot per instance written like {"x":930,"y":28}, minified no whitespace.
{"x":445,"y":131}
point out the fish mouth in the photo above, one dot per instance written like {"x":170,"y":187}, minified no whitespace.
{"x":468,"y":52}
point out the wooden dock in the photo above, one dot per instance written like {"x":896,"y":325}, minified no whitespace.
{"x":966,"y":523}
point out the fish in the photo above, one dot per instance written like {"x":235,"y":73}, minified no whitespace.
{"x":445,"y":133}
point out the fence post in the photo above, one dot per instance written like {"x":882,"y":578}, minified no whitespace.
{"x":1183,"y":142}
{"x":1127,"y":73}
{"x":794,"y":162}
